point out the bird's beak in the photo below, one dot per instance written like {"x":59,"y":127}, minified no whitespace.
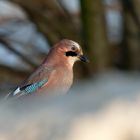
{"x":83,"y":58}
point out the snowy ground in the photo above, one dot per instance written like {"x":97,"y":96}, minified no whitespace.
{"x":105,"y":108}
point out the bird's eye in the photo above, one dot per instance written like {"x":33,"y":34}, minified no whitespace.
{"x":73,"y":48}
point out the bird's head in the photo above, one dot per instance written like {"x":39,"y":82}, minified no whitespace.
{"x":71,"y":51}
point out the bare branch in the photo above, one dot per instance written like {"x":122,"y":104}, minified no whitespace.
{"x":50,"y":19}
{"x":67,"y":14}
{"x":8,"y":46}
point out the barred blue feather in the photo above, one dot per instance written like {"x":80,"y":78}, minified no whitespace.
{"x":33,"y":87}
{"x":27,"y":89}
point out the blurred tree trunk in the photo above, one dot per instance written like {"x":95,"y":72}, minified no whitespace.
{"x":131,"y":37}
{"x":94,"y":33}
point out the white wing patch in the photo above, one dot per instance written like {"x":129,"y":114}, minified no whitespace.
{"x":16,"y":91}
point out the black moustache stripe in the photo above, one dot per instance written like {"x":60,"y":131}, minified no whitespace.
{"x":70,"y":53}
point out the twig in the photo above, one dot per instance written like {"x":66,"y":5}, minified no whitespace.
{"x":8,"y":46}
{"x":67,"y":14}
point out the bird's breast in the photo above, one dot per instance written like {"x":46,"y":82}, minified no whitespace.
{"x":59,"y":82}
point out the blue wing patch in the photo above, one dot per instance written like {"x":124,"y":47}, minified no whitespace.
{"x":27,"y":89}
{"x":33,"y":87}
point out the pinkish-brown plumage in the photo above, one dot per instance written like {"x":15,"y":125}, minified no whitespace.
{"x":55,"y":75}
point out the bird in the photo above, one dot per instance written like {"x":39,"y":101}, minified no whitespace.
{"x":55,"y":75}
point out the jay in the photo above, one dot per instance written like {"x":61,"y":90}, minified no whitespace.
{"x":55,"y":75}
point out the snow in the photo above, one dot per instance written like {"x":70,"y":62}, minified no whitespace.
{"x":104,"y":108}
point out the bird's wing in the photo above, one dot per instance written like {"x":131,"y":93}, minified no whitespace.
{"x":36,"y":81}
{"x":28,"y":89}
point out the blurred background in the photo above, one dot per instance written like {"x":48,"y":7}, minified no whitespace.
{"x":105,"y":97}
{"x":107,"y":30}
